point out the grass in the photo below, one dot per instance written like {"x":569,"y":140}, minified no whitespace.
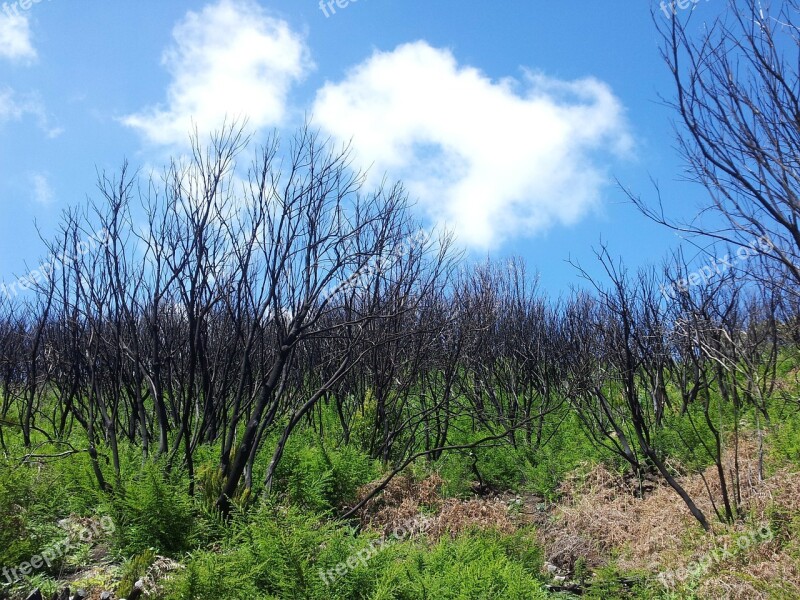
{"x":568,"y":505}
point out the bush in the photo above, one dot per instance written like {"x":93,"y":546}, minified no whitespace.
{"x":133,"y":570}
{"x":610,"y":582}
{"x":275,"y":552}
{"x":684,"y":438}
{"x":30,"y":507}
{"x":279,"y":552}
{"x":478,"y":565}
{"x":153,"y":510}
{"x":321,"y":479}
{"x":784,"y":440}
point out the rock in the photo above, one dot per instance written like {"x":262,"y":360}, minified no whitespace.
{"x":106,"y":596}
{"x":80,"y":595}
{"x":63,"y":595}
{"x":35,"y":595}
{"x":138,"y":590}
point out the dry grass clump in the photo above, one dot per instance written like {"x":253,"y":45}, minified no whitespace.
{"x":413,"y":507}
{"x":657,"y":533}
{"x":764,"y":570}
{"x":781,"y":490}
{"x":769,"y":569}
{"x":760,"y":577}
{"x":601,"y":514}
{"x":699,"y":485}
{"x":402,"y":501}
{"x":458,"y":516}
{"x":403,"y":487}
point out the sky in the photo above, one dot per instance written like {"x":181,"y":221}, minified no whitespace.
{"x":508,"y":122}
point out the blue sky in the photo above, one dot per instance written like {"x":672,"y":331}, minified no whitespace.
{"x":508,"y":121}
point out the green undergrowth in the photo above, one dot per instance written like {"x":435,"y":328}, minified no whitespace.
{"x":280,"y":552}
{"x":289,"y":545}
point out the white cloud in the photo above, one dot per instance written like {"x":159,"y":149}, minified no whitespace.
{"x":15,"y":37}
{"x":10,"y":110}
{"x":229,"y":60}
{"x":41,"y":190}
{"x":491,"y":159}
{"x":14,"y":106}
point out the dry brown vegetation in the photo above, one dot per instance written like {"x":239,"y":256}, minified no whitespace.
{"x":405,"y":502}
{"x":600,"y":517}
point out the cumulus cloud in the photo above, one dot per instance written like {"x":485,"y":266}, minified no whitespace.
{"x":15,"y":37}
{"x":231,"y":60}
{"x":490,"y":159}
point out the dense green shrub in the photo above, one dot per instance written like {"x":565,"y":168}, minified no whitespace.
{"x":687,"y":438}
{"x":31,"y":503}
{"x":477,"y":565}
{"x":784,"y":439}
{"x":153,"y":510}
{"x":282,"y":553}
{"x":134,"y":569}
{"x":275,"y":552}
{"x":319,"y":478}
{"x":610,"y":582}
{"x":566,"y":449}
